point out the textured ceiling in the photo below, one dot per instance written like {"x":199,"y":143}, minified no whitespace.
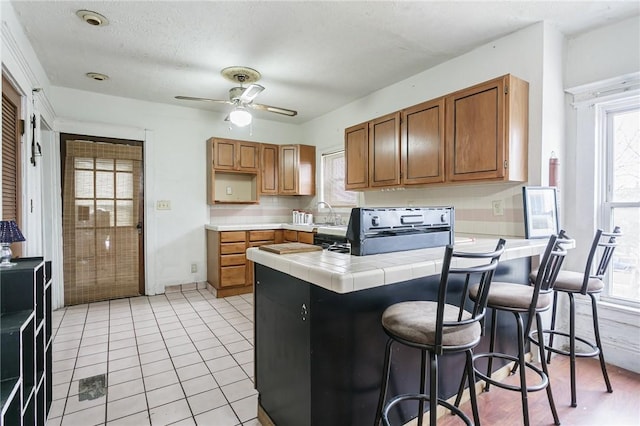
{"x":314,"y":56}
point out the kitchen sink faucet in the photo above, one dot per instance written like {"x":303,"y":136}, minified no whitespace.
{"x":332,"y":214}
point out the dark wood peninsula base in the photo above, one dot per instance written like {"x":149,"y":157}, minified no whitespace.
{"x":319,"y":354}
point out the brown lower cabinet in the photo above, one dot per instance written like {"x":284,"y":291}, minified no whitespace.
{"x":228,"y":269}
{"x":298,"y":236}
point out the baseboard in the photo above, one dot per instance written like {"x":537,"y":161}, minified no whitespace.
{"x":185,"y":287}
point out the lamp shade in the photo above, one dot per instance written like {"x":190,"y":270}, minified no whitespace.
{"x":9,"y":232}
{"x":240,"y":116}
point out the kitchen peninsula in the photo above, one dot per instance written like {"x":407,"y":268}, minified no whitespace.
{"x":319,"y":345}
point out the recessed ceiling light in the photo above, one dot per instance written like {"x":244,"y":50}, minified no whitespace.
{"x":97,"y":76}
{"x":92,"y":18}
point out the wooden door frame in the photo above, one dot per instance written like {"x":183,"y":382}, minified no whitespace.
{"x":64,"y":137}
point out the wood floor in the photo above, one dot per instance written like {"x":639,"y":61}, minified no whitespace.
{"x":595,"y":407}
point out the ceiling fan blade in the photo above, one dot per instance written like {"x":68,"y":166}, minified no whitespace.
{"x":191,"y":98}
{"x":277,"y":110}
{"x":250,"y":93}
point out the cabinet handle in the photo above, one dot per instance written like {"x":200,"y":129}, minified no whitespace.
{"x":303,"y":312}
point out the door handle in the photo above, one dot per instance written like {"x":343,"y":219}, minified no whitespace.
{"x":139,"y":227}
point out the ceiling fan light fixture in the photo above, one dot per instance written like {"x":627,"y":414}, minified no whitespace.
{"x":240,"y":116}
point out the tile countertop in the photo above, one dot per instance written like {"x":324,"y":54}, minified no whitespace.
{"x":344,"y":273}
{"x":320,"y":229}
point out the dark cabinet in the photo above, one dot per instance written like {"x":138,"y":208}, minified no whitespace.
{"x":26,"y":341}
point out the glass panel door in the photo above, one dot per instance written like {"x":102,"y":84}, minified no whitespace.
{"x":101,"y":210}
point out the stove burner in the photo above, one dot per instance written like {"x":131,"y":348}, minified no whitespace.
{"x":340,"y":248}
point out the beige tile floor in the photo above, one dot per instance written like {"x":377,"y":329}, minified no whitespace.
{"x":178,"y":358}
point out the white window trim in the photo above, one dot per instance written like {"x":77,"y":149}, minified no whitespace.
{"x":623,"y":101}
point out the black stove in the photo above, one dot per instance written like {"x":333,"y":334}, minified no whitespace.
{"x":391,"y":229}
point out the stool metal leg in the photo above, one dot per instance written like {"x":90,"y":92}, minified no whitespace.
{"x":472,"y":388}
{"x":523,"y":375}
{"x":553,"y":325}
{"x":572,"y":347}
{"x":492,"y":344}
{"x":554,"y":412}
{"x":433,"y":390}
{"x":385,"y":381}
{"x":423,"y":383}
{"x":596,"y":332}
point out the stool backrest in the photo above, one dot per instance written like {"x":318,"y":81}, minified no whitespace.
{"x":482,"y":270}
{"x":604,"y":243}
{"x":548,"y":270}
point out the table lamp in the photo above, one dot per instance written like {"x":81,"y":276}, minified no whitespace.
{"x":9,"y":233}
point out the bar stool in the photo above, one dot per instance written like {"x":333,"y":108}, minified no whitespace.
{"x":439,"y":328}
{"x":520,"y":299}
{"x":586,"y":283}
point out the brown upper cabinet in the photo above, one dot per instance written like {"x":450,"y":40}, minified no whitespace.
{"x":269,"y":169}
{"x":476,"y":134}
{"x":422,"y":143}
{"x":236,"y":155}
{"x":384,"y":151}
{"x":356,"y":150}
{"x":372,"y":153}
{"x":297,"y":170}
{"x":487,"y":131}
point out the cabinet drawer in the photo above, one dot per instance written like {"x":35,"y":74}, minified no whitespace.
{"x":232,"y":248}
{"x":230,"y":236}
{"x":305,"y":237}
{"x":262,"y":235}
{"x":232,"y":259}
{"x":261,"y":243}
{"x":291,"y":236}
{"x":232,"y":275}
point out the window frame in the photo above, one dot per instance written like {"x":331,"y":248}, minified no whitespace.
{"x":323,"y":195}
{"x":605,"y":113}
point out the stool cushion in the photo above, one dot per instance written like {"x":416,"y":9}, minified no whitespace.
{"x":571,"y":282}
{"x":416,"y":322}
{"x":511,"y":296}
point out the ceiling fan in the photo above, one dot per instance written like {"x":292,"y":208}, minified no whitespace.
{"x":242,"y":97}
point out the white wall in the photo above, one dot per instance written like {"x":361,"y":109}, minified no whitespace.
{"x":602,"y":54}
{"x":527,"y":54}
{"x":175,"y":169}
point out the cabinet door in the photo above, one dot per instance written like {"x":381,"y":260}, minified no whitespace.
{"x":356,"y":151}
{"x":248,"y":156}
{"x":288,"y":173}
{"x":224,"y":154}
{"x":476,"y":132}
{"x":423,"y":143}
{"x":290,"y":236}
{"x":269,"y":169}
{"x":384,"y":151}
{"x":305,"y":237}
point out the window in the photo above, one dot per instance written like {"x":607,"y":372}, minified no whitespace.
{"x":11,"y":181}
{"x":332,"y":181}
{"x":621,"y":196}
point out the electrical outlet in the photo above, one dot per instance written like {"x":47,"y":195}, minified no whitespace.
{"x":163,"y":205}
{"x":194,"y":268}
{"x":498,"y":208}
{"x":229,"y":190}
